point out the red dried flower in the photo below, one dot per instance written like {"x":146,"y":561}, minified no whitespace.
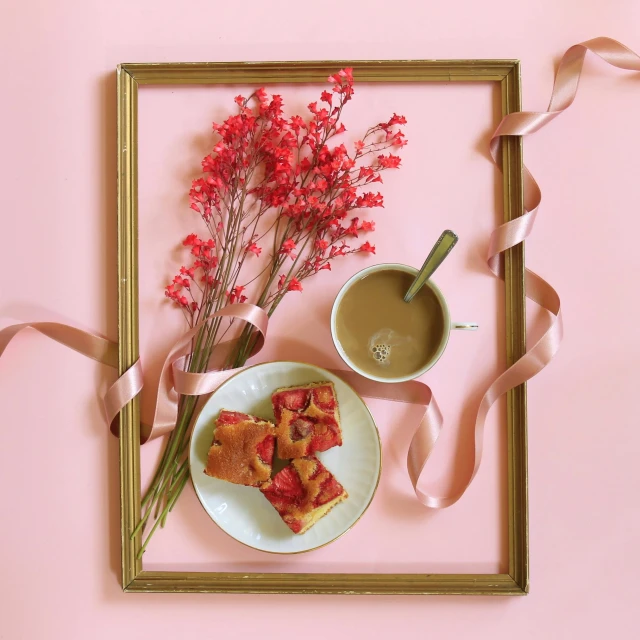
{"x":287,"y":248}
{"x":398,"y":139}
{"x":389,"y":162}
{"x":396,"y":119}
{"x":290,"y":169}
{"x":191,"y":240}
{"x":322,"y":245}
{"x":352,"y":229}
{"x":367,"y":248}
{"x":370,"y":200}
{"x":187,"y":272}
{"x":235,"y":295}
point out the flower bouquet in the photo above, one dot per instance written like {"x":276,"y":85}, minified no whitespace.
{"x":277,"y":200}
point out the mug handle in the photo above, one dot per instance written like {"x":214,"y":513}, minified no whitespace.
{"x":467,"y":326}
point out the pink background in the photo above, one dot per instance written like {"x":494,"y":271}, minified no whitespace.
{"x":57,"y":198}
{"x":428,"y":541}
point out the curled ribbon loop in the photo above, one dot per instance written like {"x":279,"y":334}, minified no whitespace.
{"x":175,"y":381}
{"x":509,"y":235}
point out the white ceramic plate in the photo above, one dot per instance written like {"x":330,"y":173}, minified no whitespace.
{"x":243,"y":512}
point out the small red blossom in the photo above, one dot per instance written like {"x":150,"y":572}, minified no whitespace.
{"x":367,"y":248}
{"x":287,"y":248}
{"x":294,"y":285}
{"x":398,"y":139}
{"x":367,"y":225}
{"x":338,"y":250}
{"x":396,"y":119}
{"x":369,"y":200}
{"x":297,"y":124}
{"x":352,"y":229}
{"x":254,"y":248}
{"x":389,"y":162}
{"x":261,"y":94}
{"x":344,"y":75}
{"x":191,"y":240}
{"x":235,"y":295}
{"x":187,"y":272}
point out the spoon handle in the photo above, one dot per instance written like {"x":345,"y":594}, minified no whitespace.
{"x":440,"y":251}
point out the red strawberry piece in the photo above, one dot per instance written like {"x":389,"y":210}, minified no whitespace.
{"x":287,"y":484}
{"x":300,"y":428}
{"x":265,"y":449}
{"x":233,"y":417}
{"x":294,"y":525}
{"x":329,"y":490}
{"x":325,"y":439}
{"x":324,"y":442}
{"x":281,"y":505}
{"x":324,"y":398}
{"x":295,"y":400}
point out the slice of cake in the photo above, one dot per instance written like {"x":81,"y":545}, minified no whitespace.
{"x":303,"y":492}
{"x":307,"y":419}
{"x":242,"y":449}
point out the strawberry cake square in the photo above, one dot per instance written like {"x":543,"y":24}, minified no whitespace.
{"x":307,"y":419}
{"x":303,"y":492}
{"x":242,"y":449}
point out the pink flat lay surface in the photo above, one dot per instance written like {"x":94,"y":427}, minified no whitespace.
{"x":420,"y":202}
{"x":58,"y":465}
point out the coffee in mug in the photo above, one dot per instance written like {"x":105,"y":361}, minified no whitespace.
{"x":381,"y":336}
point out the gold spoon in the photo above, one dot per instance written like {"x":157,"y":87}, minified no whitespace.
{"x":440,"y":251}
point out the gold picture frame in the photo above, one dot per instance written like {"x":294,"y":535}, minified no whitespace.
{"x":134,"y":578}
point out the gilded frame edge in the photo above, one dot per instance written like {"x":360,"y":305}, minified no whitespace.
{"x":134,"y":578}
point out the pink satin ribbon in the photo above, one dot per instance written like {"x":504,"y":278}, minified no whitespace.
{"x":174,"y":381}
